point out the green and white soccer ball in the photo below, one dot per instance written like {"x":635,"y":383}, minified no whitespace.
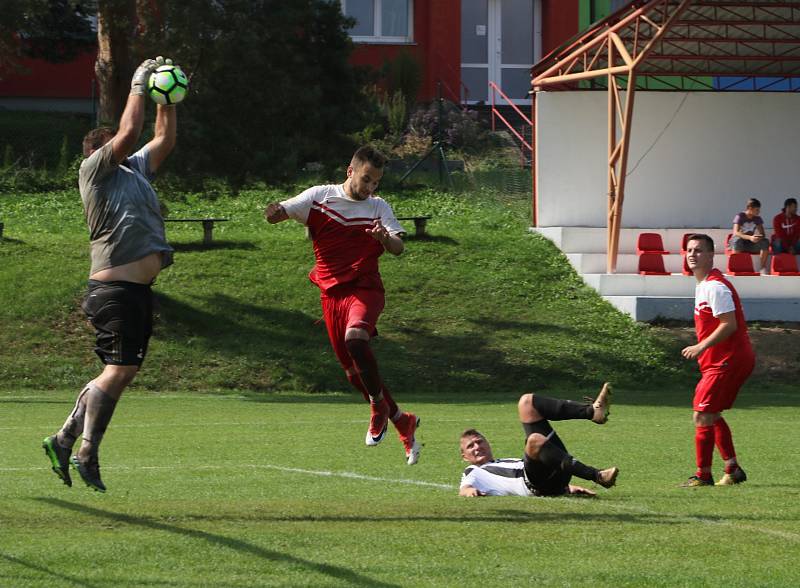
{"x":168,"y":85}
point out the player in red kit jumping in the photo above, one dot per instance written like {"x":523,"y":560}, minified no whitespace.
{"x":726,"y":360}
{"x":350,"y":229}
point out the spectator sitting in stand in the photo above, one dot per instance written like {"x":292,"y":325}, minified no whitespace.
{"x":748,"y":233}
{"x":787,"y":229}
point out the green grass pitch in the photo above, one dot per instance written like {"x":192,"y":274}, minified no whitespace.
{"x":232,"y":490}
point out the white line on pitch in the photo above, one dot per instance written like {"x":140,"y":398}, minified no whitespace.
{"x":255,"y":466}
{"x":699,"y":519}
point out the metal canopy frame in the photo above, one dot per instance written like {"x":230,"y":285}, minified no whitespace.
{"x":683,"y":39}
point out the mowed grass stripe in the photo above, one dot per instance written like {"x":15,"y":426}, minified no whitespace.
{"x":450,"y":487}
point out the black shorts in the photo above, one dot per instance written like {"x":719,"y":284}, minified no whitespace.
{"x":543,"y":480}
{"x":122,"y":316}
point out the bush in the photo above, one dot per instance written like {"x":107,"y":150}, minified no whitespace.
{"x":41,"y":138}
{"x":29,"y":178}
{"x":404,"y":75}
{"x":396,"y":114}
{"x":272,"y":87}
{"x":459,"y":129}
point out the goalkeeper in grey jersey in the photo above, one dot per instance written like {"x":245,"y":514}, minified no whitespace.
{"x":546,"y":468}
{"x":128,"y":250}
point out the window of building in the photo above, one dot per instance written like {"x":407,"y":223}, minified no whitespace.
{"x":380,"y":21}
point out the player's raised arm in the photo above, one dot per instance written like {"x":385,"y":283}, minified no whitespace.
{"x":130,"y":124}
{"x":275,"y":213}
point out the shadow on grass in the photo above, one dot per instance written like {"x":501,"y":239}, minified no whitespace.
{"x":292,"y":350}
{"x":333,"y":571}
{"x":289,"y":341}
{"x":11,"y":241}
{"x":79,"y":581}
{"x":442,"y":239}
{"x":500,"y":515}
{"x":200,"y":246}
{"x":419,"y":361}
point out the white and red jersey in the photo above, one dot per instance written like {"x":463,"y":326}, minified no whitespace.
{"x":712,"y":297}
{"x":344,"y":251}
{"x":786,"y":229}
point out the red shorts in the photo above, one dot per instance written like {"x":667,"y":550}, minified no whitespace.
{"x":717,"y":389}
{"x":350,"y":307}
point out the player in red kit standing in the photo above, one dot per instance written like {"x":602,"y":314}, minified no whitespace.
{"x":351,"y":228}
{"x":726,"y":360}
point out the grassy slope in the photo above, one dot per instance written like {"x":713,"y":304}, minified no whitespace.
{"x":480,"y":306}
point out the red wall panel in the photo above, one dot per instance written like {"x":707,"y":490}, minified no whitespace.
{"x":51,"y":80}
{"x":559,"y":23}
{"x":437,"y":45}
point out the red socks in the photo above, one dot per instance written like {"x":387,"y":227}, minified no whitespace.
{"x":704,"y":449}
{"x":724,"y":442}
{"x":358,"y":384}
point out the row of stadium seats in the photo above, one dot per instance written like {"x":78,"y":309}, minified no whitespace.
{"x":650,"y":249}
{"x":652,"y":243}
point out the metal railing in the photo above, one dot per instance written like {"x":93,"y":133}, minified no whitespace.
{"x":496,"y":113}
{"x":462,"y":96}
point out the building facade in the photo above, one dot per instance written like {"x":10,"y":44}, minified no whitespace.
{"x":460,"y":45}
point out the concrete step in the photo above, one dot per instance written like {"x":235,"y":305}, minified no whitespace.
{"x":649,"y":308}
{"x":754,"y":287}
{"x":628,"y":263}
{"x":593,"y":239}
{"x":645,"y":298}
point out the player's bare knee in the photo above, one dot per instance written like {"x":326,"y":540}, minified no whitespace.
{"x":357,"y":348}
{"x":115,"y":378}
{"x":527,"y":411}
{"x":704,"y":419}
{"x":533,"y":444}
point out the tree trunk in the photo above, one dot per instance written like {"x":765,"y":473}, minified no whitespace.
{"x":114,"y":65}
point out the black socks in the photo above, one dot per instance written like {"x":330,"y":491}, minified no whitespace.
{"x":99,"y":410}
{"x":555,"y":457}
{"x":73,"y":426}
{"x":554,"y":409}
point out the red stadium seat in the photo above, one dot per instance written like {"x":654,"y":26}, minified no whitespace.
{"x":650,"y":243}
{"x":741,"y":264}
{"x":728,"y":249}
{"x":784,"y":264}
{"x":652,"y":264}
{"x":686,"y":271}
{"x":684,"y":241}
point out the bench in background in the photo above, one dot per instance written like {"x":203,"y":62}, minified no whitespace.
{"x":208,"y":226}
{"x":419,"y":223}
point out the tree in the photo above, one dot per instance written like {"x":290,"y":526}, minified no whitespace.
{"x":113,"y":67}
{"x":270,"y":84}
{"x":54,"y":30}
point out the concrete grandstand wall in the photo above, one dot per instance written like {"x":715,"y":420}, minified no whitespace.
{"x":702,"y":155}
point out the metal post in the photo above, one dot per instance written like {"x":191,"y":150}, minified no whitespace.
{"x":612,"y":140}
{"x":534,"y":146}
{"x":208,"y":228}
